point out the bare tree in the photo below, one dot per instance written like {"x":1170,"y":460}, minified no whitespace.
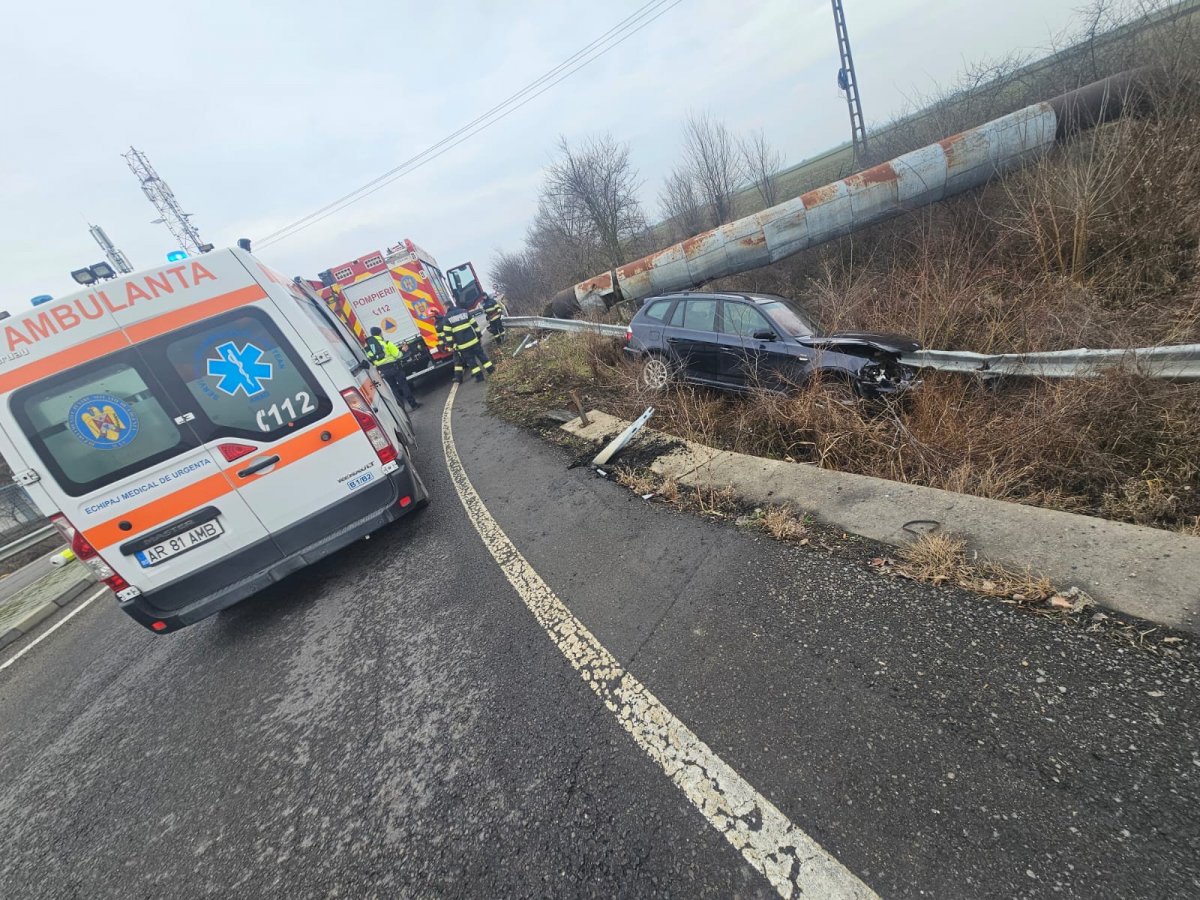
{"x":563,"y":243}
{"x":517,"y":276}
{"x":591,"y":192}
{"x":712,"y":157}
{"x":763,"y":163}
{"x":680,"y":205}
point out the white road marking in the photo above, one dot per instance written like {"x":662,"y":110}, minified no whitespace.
{"x":53,"y":628}
{"x":790,"y":860}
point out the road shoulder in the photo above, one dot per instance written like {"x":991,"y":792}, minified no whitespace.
{"x":1147,"y":573}
{"x":33,"y":604}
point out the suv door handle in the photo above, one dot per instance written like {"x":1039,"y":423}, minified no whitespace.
{"x":264,"y":463}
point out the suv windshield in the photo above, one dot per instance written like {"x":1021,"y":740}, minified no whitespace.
{"x":788,"y":318}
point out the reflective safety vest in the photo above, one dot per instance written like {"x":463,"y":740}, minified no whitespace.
{"x":460,"y":330}
{"x":381,"y":351}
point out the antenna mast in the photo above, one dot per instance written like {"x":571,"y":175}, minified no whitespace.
{"x":170,"y":212}
{"x":119,"y":260}
{"x":848,"y":82}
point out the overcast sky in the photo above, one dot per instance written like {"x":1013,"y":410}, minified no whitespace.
{"x":258,"y":112}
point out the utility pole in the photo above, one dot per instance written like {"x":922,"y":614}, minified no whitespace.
{"x":848,"y":82}
{"x":170,"y":212}
{"x":119,"y":260}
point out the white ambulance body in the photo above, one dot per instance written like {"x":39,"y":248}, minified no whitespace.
{"x":200,"y":431}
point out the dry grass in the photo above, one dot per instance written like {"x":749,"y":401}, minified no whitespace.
{"x":718,"y":503}
{"x":943,"y":559}
{"x":640,"y":481}
{"x":780,"y":523}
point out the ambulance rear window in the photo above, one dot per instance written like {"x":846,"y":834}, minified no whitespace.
{"x":98,"y":423}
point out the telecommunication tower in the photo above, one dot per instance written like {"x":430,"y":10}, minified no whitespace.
{"x":848,"y":82}
{"x":170,"y":212}
{"x":119,"y":260}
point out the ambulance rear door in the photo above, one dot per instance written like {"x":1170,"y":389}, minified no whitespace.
{"x":124,"y":465}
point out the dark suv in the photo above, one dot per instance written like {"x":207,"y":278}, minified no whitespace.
{"x":746,"y":341}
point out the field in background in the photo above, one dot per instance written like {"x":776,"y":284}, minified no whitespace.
{"x":985,"y":92}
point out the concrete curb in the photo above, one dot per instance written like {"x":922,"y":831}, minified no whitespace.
{"x":1143,"y":572}
{"x":39,"y":614}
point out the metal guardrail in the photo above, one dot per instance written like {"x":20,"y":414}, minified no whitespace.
{"x":576,"y":325}
{"x":1179,"y":361}
{"x":24,"y":543}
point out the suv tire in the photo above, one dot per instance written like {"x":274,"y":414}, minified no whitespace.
{"x":657,"y":373}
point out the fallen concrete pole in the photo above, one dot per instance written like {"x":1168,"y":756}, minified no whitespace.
{"x":949,"y":167}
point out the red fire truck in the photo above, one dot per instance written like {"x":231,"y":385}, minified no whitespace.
{"x":402,"y":291}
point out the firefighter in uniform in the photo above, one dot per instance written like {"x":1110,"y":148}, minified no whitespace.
{"x":461,"y":331}
{"x":495,"y":316}
{"x":444,"y":343}
{"x":386,"y":357}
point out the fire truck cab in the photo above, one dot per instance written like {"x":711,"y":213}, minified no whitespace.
{"x":401,"y":291}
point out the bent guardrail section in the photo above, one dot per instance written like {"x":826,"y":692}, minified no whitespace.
{"x":1177,"y":361}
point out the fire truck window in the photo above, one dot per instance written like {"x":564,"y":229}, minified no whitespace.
{"x":438,"y":280}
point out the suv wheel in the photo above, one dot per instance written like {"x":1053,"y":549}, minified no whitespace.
{"x":657,"y":373}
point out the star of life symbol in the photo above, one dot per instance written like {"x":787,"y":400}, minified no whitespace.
{"x":240,"y":369}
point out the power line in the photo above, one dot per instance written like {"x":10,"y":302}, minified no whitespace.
{"x":636,"y":14}
{"x":578,"y":60}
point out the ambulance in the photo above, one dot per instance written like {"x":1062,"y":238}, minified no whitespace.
{"x":199,"y":431}
{"x":400,"y":291}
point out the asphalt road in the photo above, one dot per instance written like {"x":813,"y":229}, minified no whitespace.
{"x":394,"y":722}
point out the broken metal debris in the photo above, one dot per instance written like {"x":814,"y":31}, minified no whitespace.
{"x":618,"y":443}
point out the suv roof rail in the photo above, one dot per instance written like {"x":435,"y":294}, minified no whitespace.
{"x":734,"y":294}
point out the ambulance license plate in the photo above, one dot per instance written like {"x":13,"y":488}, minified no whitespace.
{"x":181,"y":543}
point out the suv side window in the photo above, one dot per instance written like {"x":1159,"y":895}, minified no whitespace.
{"x":657,"y":311}
{"x":695,"y":315}
{"x":743,"y":320}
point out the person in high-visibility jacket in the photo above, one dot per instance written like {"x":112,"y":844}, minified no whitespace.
{"x":461,"y":331}
{"x":495,"y":316}
{"x":386,"y":357}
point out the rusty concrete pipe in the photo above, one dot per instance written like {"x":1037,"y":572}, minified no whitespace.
{"x":1099,"y":102}
{"x":924,"y":176}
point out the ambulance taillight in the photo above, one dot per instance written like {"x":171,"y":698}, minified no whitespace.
{"x":384,"y":448}
{"x":87,"y":554}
